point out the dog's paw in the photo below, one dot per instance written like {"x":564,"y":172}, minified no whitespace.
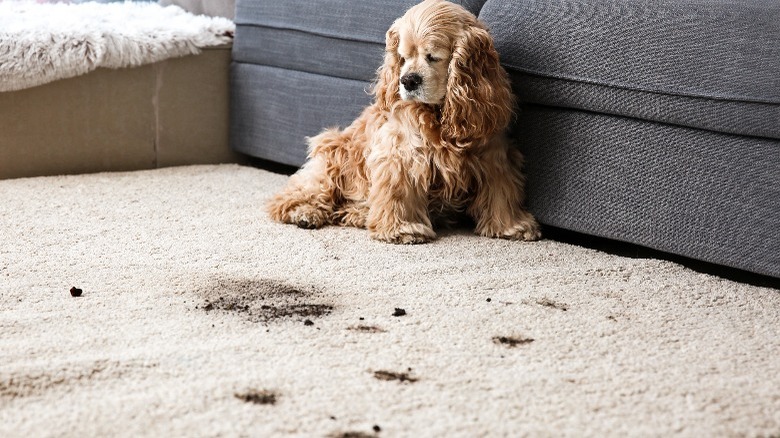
{"x":307,"y":216}
{"x":303,"y":215}
{"x":406,"y":234}
{"x":523,"y":229}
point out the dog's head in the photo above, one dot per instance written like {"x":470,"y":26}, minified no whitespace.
{"x":439,"y":54}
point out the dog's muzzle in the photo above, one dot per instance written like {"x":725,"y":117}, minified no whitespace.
{"x":411,"y":81}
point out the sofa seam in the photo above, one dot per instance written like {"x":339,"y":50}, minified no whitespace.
{"x":639,"y":119}
{"x":669,"y":92}
{"x":309,"y":32}
{"x":236,"y":61}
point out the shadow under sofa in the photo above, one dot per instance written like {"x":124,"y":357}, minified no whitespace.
{"x":654,"y":123}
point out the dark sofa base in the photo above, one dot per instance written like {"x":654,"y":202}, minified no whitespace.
{"x":274,"y":109}
{"x":691,"y":192}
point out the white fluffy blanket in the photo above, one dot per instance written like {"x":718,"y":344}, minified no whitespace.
{"x":40,"y":43}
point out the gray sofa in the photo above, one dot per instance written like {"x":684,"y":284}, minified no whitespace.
{"x":645,"y":121}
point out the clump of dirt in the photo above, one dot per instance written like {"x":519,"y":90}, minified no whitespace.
{"x":263,"y":300}
{"x":75,"y":292}
{"x":399,"y":312}
{"x":261,"y":397}
{"x":366,"y":329}
{"x":510,"y":341}
{"x":393,"y":376}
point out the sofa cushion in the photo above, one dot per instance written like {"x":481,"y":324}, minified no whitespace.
{"x":334,"y":37}
{"x":686,"y":56}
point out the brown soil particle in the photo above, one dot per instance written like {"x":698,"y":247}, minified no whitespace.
{"x":308,"y":322}
{"x":262,"y":397}
{"x":75,"y":292}
{"x":399,"y":312}
{"x":390,"y":375}
{"x":511,"y":341}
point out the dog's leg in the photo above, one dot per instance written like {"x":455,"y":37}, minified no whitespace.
{"x":497,"y":207}
{"x":351,"y":214}
{"x":307,"y":201}
{"x":398,"y":197}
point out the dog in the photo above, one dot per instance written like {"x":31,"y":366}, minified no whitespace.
{"x":432,"y":144}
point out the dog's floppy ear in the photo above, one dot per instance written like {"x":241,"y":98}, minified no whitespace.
{"x":479,"y":99}
{"x":388,"y":76}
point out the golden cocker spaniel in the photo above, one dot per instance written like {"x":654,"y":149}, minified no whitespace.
{"x":433,"y":143}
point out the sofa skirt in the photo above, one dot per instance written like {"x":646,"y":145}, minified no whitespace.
{"x":692,"y":192}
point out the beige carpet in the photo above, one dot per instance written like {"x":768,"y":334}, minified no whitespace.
{"x":200,"y":317}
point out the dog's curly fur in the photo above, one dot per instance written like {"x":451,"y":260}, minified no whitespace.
{"x":422,"y":150}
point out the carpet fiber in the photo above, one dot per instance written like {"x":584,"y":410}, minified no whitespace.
{"x":201,"y":317}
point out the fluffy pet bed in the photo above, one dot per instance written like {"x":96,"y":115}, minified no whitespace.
{"x":41,"y":43}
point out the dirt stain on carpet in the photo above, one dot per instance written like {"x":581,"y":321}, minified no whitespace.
{"x":263,"y":300}
{"x":546,"y":302}
{"x":511,"y":341}
{"x":351,"y":434}
{"x":38,"y":381}
{"x":391,"y":375}
{"x":258,"y":397}
{"x":366,"y":329}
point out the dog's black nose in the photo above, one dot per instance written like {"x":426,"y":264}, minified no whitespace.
{"x":411,"y":81}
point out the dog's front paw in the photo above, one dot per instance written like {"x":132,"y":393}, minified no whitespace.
{"x":303,"y":215}
{"x":308,"y":216}
{"x":407,"y":233}
{"x":522,"y":229}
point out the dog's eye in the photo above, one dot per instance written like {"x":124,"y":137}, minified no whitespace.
{"x":401,"y":59}
{"x":431,"y":58}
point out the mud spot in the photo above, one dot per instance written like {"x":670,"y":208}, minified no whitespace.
{"x":546,"y":302}
{"x":351,"y":434}
{"x":366,"y":329}
{"x":37,"y":381}
{"x":263,"y":300}
{"x":393,"y":376}
{"x":262,"y":397}
{"x":511,"y":341}
{"x":399,"y":312}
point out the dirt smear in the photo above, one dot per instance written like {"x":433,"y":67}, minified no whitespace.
{"x":511,"y":341}
{"x":393,"y":376}
{"x":263,"y":300}
{"x":351,"y":434}
{"x":258,"y":397}
{"x":546,"y":302}
{"x":366,"y":329}
{"x":40,"y":380}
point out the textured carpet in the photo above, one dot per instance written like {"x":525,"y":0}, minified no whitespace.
{"x":200,"y":317}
